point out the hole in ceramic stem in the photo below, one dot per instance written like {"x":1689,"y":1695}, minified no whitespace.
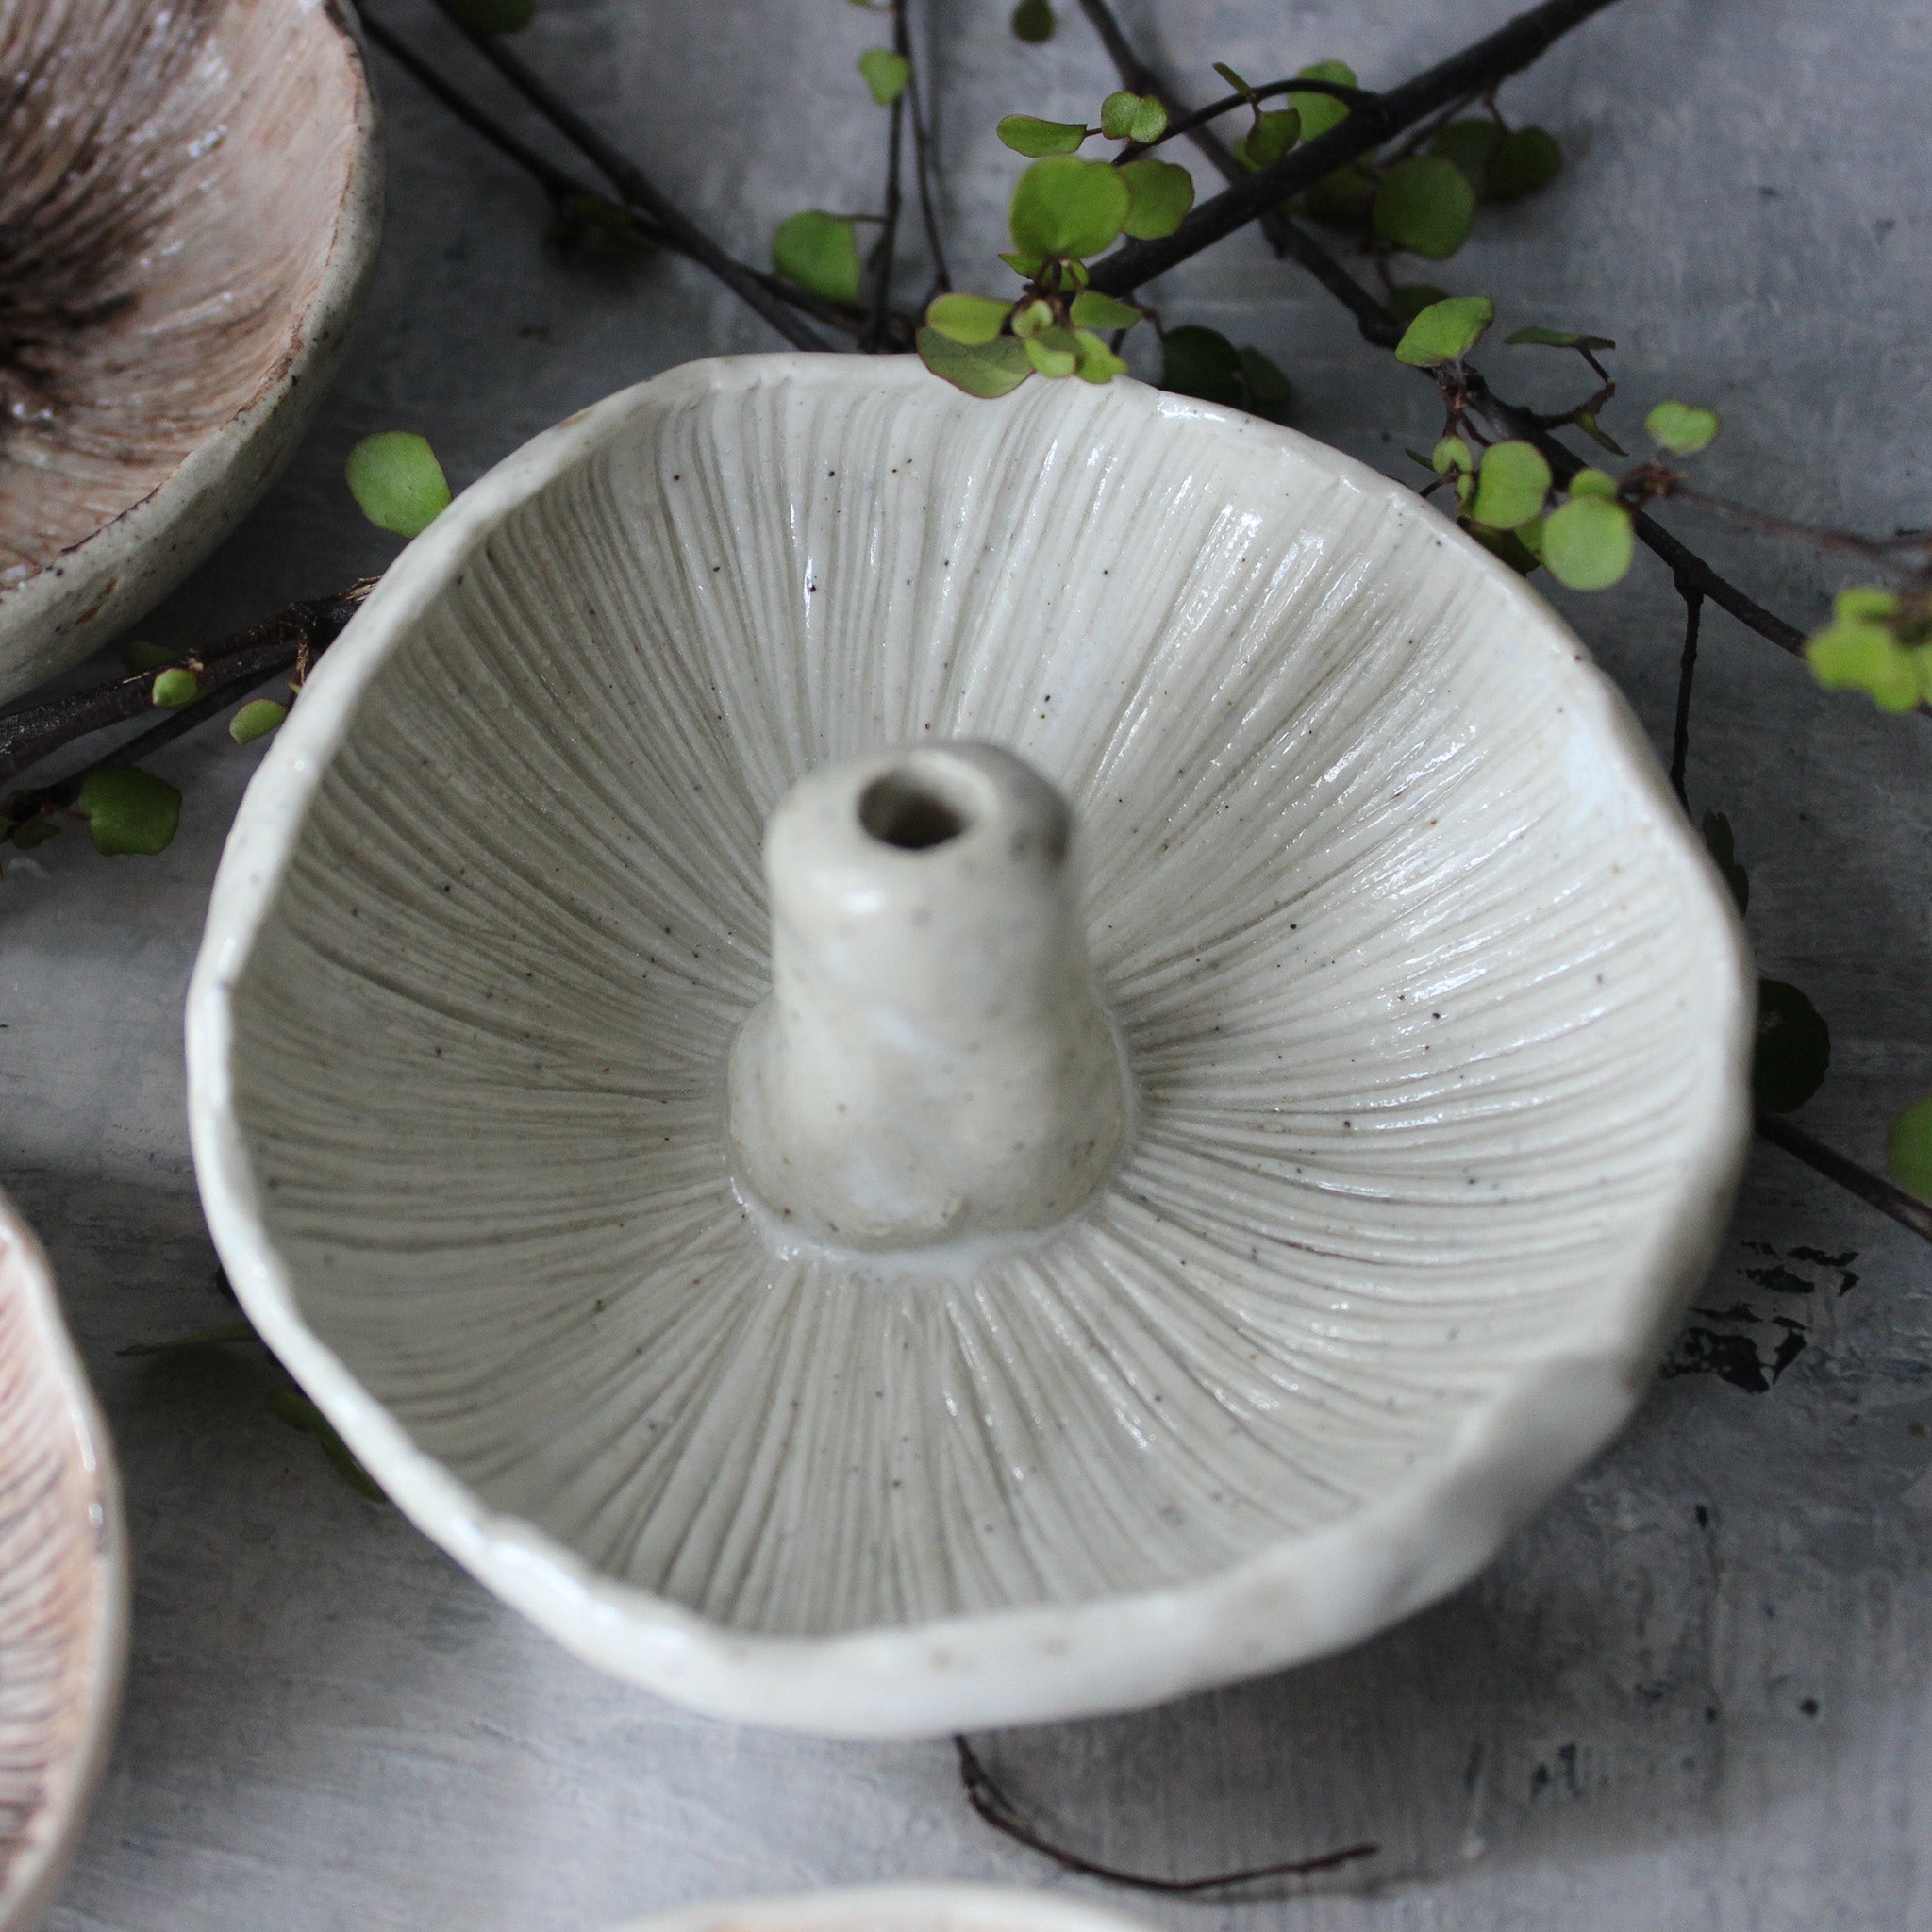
{"x":899,"y":809}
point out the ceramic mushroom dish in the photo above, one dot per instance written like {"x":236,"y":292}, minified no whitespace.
{"x":63,"y":1585}
{"x":893,"y":1908}
{"x":910,"y":1063}
{"x":188,"y":206}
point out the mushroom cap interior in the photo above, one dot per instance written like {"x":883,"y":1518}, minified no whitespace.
{"x":170,"y":182}
{"x":1434,"y":1014}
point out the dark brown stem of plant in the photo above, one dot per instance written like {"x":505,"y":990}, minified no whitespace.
{"x":559,"y":186}
{"x":1686,"y":680}
{"x":235,"y":665}
{"x":875,"y":335}
{"x":1905,"y":1208}
{"x":634,"y":186}
{"x":1883,"y":551}
{"x":922,"y":171}
{"x":1476,"y":69}
{"x":998,"y":1810}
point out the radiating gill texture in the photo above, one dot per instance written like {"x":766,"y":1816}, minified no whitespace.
{"x":169,"y":181}
{"x":55,"y":1603}
{"x":1410,"y":976}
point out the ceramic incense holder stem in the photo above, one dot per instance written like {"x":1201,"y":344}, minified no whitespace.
{"x":931,"y":1062}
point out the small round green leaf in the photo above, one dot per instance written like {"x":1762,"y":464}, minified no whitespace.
{"x":1202,"y":362}
{"x":255,"y":720}
{"x":1469,"y":144}
{"x":1341,"y":198}
{"x":1452,"y":455}
{"x":1681,"y":428}
{"x":1588,"y":543}
{"x":1066,"y":205}
{"x":970,"y":319}
{"x":984,"y":369}
{"x":1149,"y":122}
{"x":1523,"y":163}
{"x":1054,"y":352}
{"x":1029,"y":318}
{"x":1407,"y":302}
{"x":1033,"y":21}
{"x":138,"y":654}
{"x":1723,"y":846}
{"x":1269,"y":137}
{"x":1592,"y":483}
{"x":1506,"y":546}
{"x":1425,"y":205}
{"x":1867,"y":602}
{"x":1117,"y":114}
{"x":819,"y":252}
{"x":174,"y":688}
{"x":1862,"y":655}
{"x":1270,"y":393}
{"x":1793,"y":1048}
{"x":1090,"y":308}
{"x":885,"y":73}
{"x":396,"y":481}
{"x":1511,"y":486}
{"x":496,"y":16}
{"x":1908,"y":1150}
{"x":1320,"y":112}
{"x":1096,"y":361}
{"x":129,"y":810}
{"x":1159,"y":196}
{"x":1445,"y":332}
{"x":1026,"y":134}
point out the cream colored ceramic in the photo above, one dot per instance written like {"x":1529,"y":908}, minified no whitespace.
{"x":893,"y":1908}
{"x":932,"y":1063}
{"x":63,"y":1585}
{"x":190,"y":196}
{"x":1436,"y":1017}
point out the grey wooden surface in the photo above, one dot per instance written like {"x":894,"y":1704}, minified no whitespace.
{"x":1698,"y":1692}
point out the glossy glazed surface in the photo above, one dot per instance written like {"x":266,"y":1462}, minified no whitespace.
{"x":1436,"y":1014}
{"x":189,"y":199}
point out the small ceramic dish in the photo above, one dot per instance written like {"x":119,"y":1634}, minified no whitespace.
{"x":63,"y":1585}
{"x":892,"y":1909}
{"x":189,"y":197}
{"x":1435,"y":1017}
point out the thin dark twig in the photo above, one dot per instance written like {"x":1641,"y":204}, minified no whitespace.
{"x":1686,"y":679}
{"x":1479,"y":66}
{"x":922,"y":174}
{"x":1199,"y":117}
{"x":36,"y":802}
{"x":36,"y":732}
{"x":1685,"y":565}
{"x":1878,"y":550}
{"x":554,"y":181}
{"x":889,"y":233}
{"x":998,"y":1810}
{"x":634,"y":186}
{"x":1286,"y":237}
{"x":1906,"y":1209}
{"x":562,"y":187}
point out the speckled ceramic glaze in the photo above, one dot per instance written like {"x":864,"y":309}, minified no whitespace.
{"x":1435,"y":1015}
{"x":63,"y":1585}
{"x":189,"y":202}
{"x":893,"y":1908}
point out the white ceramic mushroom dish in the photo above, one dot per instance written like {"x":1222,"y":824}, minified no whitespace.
{"x":189,"y":197}
{"x":892,"y":1909}
{"x":1428,"y":1101}
{"x":63,"y":1585}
